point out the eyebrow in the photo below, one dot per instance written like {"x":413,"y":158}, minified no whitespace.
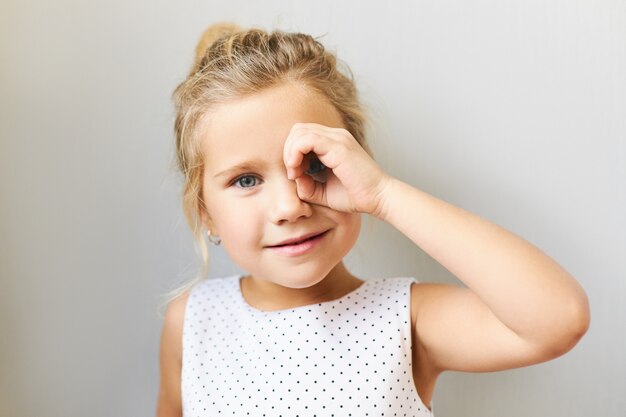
{"x":242,"y":166}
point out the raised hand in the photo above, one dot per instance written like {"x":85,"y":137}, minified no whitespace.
{"x":347,"y":179}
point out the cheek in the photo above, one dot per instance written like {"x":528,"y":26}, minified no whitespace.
{"x":235,"y":223}
{"x":241,"y":232}
{"x":357,"y":225}
{"x":352,"y":226}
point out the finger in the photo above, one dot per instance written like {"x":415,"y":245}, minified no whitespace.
{"x":308,"y":131}
{"x":311,"y":191}
{"x":298,"y":146}
{"x":290,"y":159}
{"x":328,"y":143}
{"x":316,"y":127}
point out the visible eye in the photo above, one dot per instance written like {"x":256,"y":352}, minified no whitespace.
{"x":317,"y":170}
{"x":315,"y":167}
{"x":246,"y":181}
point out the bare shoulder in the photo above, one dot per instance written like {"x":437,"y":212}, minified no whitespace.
{"x":175,"y":313}
{"x":169,"y":402}
{"x":423,"y":292}
{"x":455,"y":330}
{"x":426,"y":295}
{"x":172,"y":333}
{"x":425,"y":298}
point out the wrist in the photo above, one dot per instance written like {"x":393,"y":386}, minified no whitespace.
{"x":385,"y":194}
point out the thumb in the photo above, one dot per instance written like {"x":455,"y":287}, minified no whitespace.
{"x":310,"y":190}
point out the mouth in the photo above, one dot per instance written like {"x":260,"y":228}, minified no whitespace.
{"x":299,"y":240}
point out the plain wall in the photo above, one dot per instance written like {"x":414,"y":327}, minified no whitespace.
{"x":513,"y":110}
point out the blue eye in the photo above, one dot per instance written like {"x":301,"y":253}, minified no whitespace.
{"x":317,"y":170}
{"x":315,"y":167}
{"x":246,"y":181}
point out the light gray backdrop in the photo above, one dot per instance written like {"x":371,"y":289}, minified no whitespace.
{"x":514,"y":110}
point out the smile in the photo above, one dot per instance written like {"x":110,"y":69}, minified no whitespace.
{"x":298,"y":246}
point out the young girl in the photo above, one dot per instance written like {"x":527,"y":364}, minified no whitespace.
{"x":270,"y":139}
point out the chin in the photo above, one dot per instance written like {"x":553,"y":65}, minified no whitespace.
{"x":304,"y":279}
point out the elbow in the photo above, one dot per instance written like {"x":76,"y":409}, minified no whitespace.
{"x":580,"y":317}
{"x":572,"y":328}
{"x":578,"y":328}
{"x":581,"y":320}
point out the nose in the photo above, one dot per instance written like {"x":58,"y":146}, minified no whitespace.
{"x":286,"y":206}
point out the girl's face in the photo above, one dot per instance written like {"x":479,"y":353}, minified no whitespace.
{"x":253,"y":206}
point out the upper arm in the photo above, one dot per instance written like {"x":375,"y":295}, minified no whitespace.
{"x":169,"y":402}
{"x":455,"y":330}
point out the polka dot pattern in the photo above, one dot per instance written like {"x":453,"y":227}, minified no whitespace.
{"x":346,"y":357}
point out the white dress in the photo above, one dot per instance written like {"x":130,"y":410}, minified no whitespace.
{"x":346,"y":357}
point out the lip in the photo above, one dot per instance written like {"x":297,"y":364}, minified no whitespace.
{"x":297,"y":239}
{"x":299,"y":246}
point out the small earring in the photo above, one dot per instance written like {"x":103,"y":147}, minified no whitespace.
{"x":213,"y":239}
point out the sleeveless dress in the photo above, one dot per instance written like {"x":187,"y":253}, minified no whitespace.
{"x":346,"y":357}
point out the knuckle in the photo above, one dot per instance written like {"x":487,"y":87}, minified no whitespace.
{"x":299,"y":127}
{"x":312,"y":135}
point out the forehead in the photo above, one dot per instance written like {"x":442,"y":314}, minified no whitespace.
{"x":256,"y":126}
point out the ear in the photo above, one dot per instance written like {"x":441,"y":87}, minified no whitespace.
{"x":205,"y":218}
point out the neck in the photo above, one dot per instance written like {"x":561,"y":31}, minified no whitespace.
{"x":268,"y":296}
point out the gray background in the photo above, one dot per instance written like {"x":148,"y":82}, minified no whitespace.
{"x":514,"y":110}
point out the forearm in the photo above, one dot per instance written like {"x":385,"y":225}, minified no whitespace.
{"x":528,"y":292}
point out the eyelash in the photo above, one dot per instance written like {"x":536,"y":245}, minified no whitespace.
{"x":315,"y":167}
{"x":316,"y":170}
{"x":235,"y":182}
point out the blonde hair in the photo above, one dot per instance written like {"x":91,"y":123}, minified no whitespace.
{"x":232,"y":63}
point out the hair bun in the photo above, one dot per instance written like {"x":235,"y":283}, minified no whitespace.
{"x":210,"y":35}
